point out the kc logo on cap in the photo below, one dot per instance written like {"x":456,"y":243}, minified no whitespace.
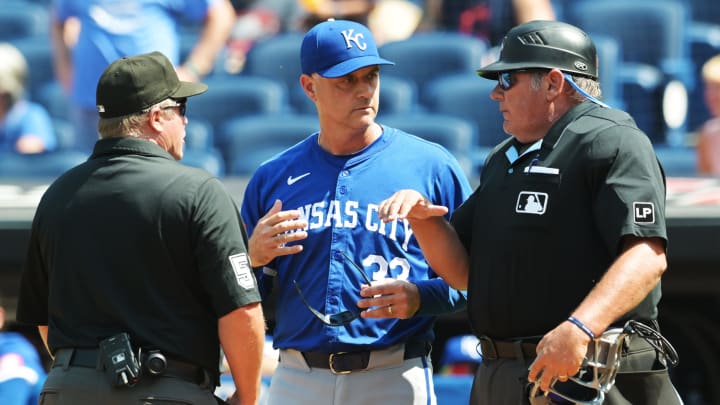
{"x":349,"y":37}
{"x":335,"y":48}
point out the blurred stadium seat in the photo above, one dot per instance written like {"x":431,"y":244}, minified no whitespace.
{"x":468,"y":96}
{"x":457,"y":135}
{"x":278,"y":58}
{"x":397,"y":95}
{"x":210,"y":160}
{"x":22,"y":19}
{"x":428,"y":55}
{"x":200,"y":150}
{"x":609,"y":58}
{"x":248,"y":141}
{"x":42,"y":165}
{"x":677,"y":161}
{"x":656,"y":68}
{"x":236,"y":96}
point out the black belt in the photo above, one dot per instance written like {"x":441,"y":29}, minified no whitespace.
{"x":347,"y":362}
{"x":491,"y":349}
{"x":175,"y":368}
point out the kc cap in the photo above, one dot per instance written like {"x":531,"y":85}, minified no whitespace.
{"x":132,"y":84}
{"x":545,"y":45}
{"x":335,"y":48}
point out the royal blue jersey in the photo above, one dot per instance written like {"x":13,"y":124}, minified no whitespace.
{"x":339,"y":197}
{"x":21,"y":372}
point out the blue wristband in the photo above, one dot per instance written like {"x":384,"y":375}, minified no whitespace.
{"x":582,"y":326}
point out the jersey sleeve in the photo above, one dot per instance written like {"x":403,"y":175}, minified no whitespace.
{"x":438,"y":298}
{"x":631,"y":195}
{"x":221,"y":250}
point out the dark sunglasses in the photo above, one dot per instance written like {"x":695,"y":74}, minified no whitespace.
{"x":341,"y":318}
{"x":182,"y":108}
{"x":506,"y":80}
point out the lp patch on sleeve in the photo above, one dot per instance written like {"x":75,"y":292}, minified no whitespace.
{"x":243,"y":272}
{"x":644,"y":212}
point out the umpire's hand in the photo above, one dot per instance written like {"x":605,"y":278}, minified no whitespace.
{"x":273,"y":231}
{"x":389,"y":298}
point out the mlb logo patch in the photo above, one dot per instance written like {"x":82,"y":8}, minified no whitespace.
{"x":531,"y":202}
{"x":243,"y":273}
{"x":644,"y":212}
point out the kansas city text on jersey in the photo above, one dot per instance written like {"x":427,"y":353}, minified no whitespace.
{"x":346,"y":214}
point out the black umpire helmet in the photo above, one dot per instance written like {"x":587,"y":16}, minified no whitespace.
{"x":545,"y":45}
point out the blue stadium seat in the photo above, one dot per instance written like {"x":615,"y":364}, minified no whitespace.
{"x":199,"y":135}
{"x":236,"y":96}
{"x":200,"y":150}
{"x":426,"y":56}
{"x":468,"y":96}
{"x":210,"y":160}
{"x":609,"y":58}
{"x":22,"y":19}
{"x":278,"y":58}
{"x":42,"y":165}
{"x":56,"y":101}
{"x":704,"y":44}
{"x":397,"y":95}
{"x":677,"y":161}
{"x":457,"y":135}
{"x":655,"y":58}
{"x":248,"y":141}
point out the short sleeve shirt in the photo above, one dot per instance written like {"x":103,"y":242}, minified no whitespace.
{"x":543,"y":228}
{"x":133,"y":241}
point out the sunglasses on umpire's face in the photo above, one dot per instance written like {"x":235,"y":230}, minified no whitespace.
{"x":506,"y":80}
{"x":341,"y":318}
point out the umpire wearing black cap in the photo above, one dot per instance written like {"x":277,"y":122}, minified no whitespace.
{"x":562,"y":245}
{"x":137,"y":269}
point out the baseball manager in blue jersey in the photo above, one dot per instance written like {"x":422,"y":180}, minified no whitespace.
{"x":355,"y":298}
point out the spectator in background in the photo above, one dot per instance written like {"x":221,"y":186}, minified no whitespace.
{"x":25,"y":127}
{"x":21,"y":371}
{"x":487,"y":19}
{"x":708,"y":145}
{"x":110,"y":29}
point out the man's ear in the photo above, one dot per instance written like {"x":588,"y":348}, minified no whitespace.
{"x":155,"y":121}
{"x":555,"y":83}
{"x":308,"y":85}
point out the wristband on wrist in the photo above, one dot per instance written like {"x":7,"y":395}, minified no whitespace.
{"x":582,"y":326}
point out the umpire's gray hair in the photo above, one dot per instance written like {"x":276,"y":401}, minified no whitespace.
{"x":131,"y":125}
{"x":591,"y":86}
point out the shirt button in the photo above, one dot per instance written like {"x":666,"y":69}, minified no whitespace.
{"x":343,"y":189}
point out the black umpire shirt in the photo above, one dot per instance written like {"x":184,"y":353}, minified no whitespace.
{"x":543,"y":226}
{"x":133,"y":241}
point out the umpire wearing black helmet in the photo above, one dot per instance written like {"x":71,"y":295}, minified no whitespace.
{"x":564,"y":239}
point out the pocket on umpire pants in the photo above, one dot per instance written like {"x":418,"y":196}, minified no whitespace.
{"x":643,"y":378}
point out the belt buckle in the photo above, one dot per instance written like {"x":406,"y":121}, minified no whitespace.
{"x":487,"y":348}
{"x":331,"y":363}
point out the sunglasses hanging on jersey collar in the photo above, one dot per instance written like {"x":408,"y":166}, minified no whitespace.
{"x":341,"y":318}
